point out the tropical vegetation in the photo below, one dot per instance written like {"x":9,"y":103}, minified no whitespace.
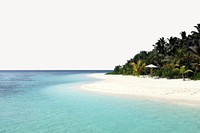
{"x":175,"y":58}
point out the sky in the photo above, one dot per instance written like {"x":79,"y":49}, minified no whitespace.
{"x":87,"y":34}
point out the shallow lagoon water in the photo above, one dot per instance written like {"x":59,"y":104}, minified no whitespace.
{"x":50,"y":101}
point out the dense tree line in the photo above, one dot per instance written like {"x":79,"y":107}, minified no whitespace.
{"x":175,"y":58}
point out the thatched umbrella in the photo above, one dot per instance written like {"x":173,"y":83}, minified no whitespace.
{"x":152,"y":67}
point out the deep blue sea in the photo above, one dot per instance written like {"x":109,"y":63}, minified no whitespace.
{"x":51,"y":102}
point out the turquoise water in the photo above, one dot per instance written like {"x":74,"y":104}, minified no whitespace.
{"x":50,"y":102}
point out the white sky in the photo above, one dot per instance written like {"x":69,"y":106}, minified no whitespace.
{"x":87,"y":34}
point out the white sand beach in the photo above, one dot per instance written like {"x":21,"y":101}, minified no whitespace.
{"x":173,"y":90}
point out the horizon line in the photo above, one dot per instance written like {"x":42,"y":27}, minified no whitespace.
{"x":55,"y":69}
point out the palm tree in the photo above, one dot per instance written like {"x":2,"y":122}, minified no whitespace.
{"x":198,"y":29}
{"x":160,"y":46}
{"x":183,"y":71}
{"x":183,"y":35}
{"x":138,"y":67}
{"x":172,"y":45}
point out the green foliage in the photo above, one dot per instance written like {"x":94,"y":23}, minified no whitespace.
{"x":157,"y":72}
{"x":168,"y":73}
{"x":196,"y":76}
{"x":117,"y":70}
{"x":176,"y":73}
{"x":175,"y":57}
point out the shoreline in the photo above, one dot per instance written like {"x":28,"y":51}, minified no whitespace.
{"x":162,"y":90}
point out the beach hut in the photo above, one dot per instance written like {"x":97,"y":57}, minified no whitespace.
{"x":151,"y":66}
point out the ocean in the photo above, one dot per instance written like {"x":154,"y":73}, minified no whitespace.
{"x":52,"y":102}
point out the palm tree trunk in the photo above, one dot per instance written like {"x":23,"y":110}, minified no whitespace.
{"x":183,"y":75}
{"x":151,"y":73}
